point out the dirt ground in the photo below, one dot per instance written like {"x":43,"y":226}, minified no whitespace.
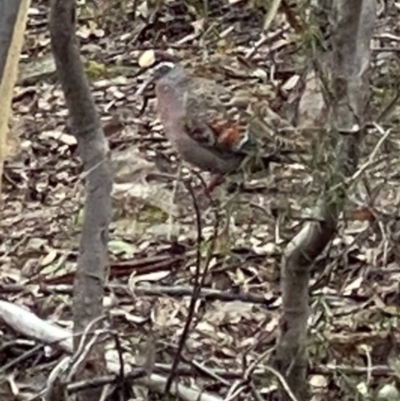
{"x":354,"y":338}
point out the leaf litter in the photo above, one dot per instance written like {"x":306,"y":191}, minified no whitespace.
{"x":354,"y":284}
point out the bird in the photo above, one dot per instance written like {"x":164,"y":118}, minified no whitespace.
{"x":204,"y":128}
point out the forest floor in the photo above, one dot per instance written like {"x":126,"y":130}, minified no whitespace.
{"x":355,"y":296}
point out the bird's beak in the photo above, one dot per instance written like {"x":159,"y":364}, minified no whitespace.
{"x":144,"y":86}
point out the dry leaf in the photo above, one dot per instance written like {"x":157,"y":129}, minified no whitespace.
{"x":147,"y":58}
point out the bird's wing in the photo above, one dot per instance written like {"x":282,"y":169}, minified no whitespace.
{"x":211,"y":123}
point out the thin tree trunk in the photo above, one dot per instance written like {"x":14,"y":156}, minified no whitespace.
{"x":354,"y":25}
{"x":13,"y":16}
{"x":94,"y":152}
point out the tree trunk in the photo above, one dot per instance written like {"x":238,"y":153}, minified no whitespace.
{"x":13,"y":16}
{"x":349,"y":89}
{"x":94,"y":152}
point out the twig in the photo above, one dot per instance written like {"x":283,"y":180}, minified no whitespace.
{"x":199,"y":367}
{"x":199,"y":280}
{"x":263,"y":40}
{"x":374,"y":370}
{"x":126,"y":390}
{"x":372,"y":154}
{"x":153,"y":291}
{"x":21,"y":358}
{"x":99,"y":381}
{"x":389,"y":108}
{"x":205,"y":293}
{"x":84,"y":347}
{"x":248,"y":373}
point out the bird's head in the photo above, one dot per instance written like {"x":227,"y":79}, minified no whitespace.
{"x":159,"y":71}
{"x":162,"y":69}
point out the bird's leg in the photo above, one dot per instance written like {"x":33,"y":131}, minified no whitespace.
{"x":173,"y":196}
{"x":216,"y":179}
{"x":224,"y":240}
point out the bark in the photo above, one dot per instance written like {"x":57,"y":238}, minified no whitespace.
{"x":13,"y":16}
{"x":94,"y":152}
{"x":352,"y":33}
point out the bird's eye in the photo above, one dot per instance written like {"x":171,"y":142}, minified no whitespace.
{"x":162,"y":70}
